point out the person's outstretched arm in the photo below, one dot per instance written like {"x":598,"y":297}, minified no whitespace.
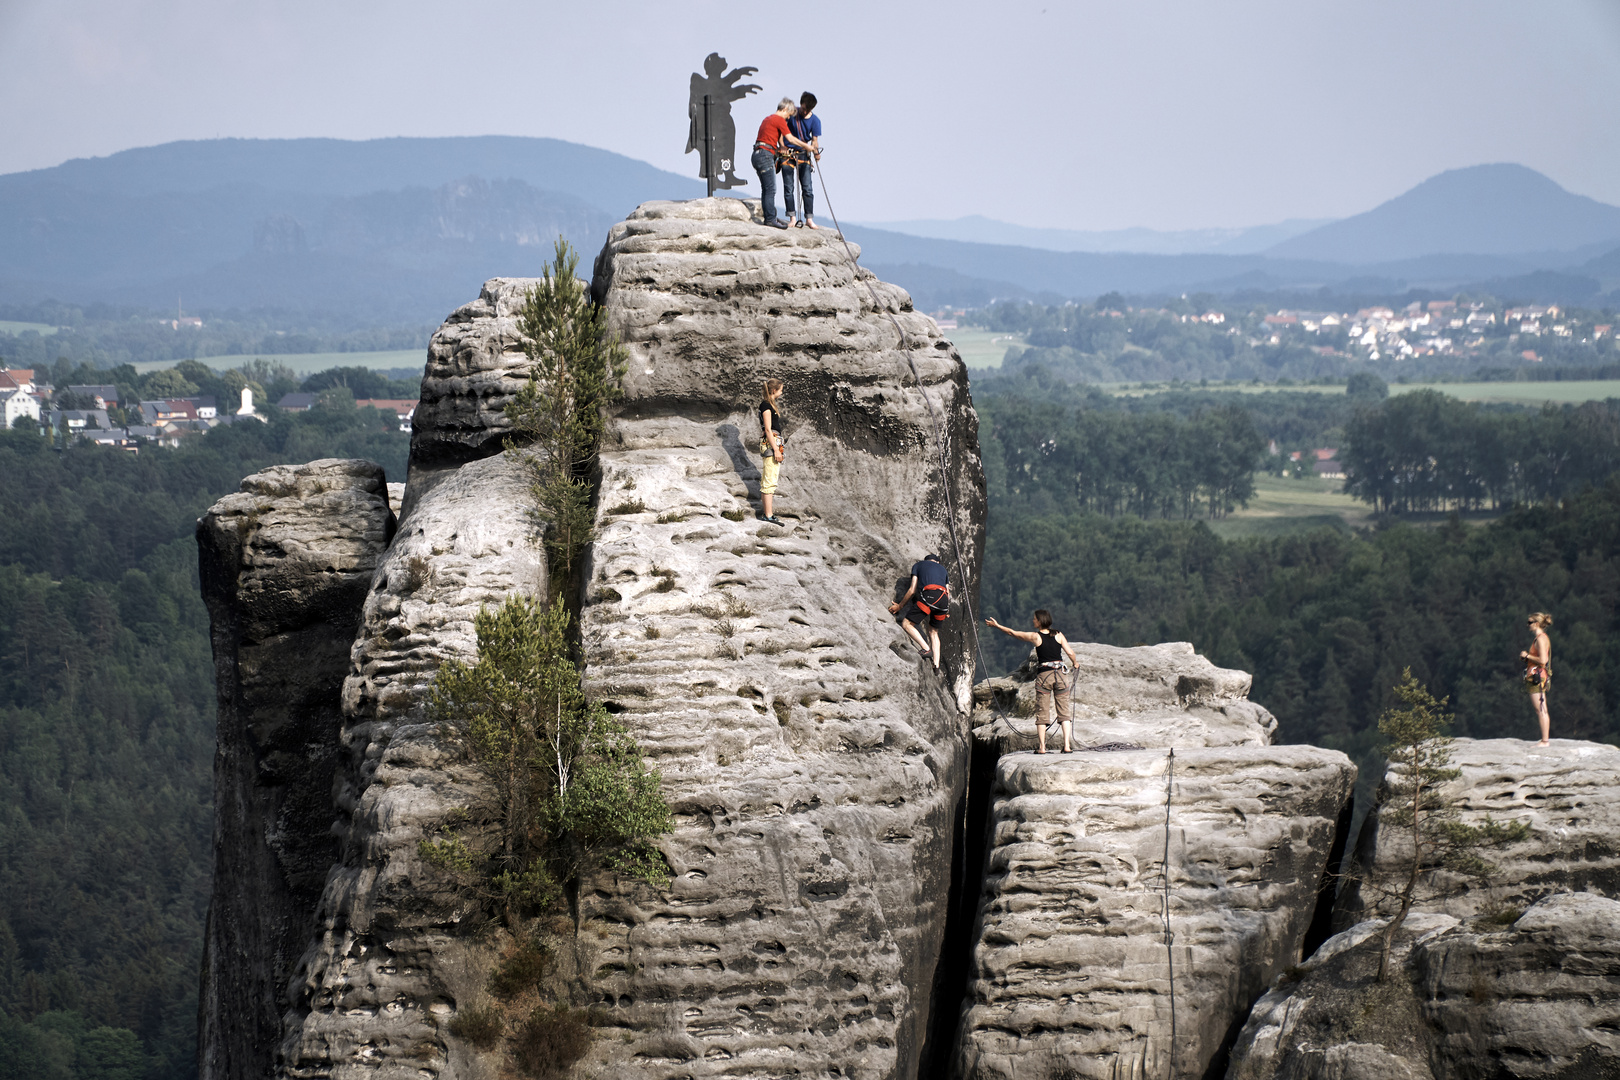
{"x":896,"y":606}
{"x":1022,"y":635}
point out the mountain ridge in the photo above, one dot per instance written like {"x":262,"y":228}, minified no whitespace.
{"x":1495,"y":209}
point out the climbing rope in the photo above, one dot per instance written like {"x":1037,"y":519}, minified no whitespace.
{"x":933,"y":415}
{"x":1164,"y":909}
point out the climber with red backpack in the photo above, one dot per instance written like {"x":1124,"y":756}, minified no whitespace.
{"x":930,"y":600}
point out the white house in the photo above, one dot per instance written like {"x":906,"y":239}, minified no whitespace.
{"x":18,"y":404}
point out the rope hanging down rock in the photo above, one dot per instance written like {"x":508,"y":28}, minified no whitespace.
{"x":933,"y":415}
{"x":1164,"y":909}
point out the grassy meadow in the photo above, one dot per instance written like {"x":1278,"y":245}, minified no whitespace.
{"x":1518,"y":393}
{"x":982,"y":348}
{"x":42,"y":329}
{"x":1283,"y":506}
{"x":308,"y":363}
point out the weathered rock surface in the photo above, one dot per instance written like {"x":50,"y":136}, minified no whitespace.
{"x":382,"y":978}
{"x":1569,"y":795}
{"x":816,"y":769}
{"x":1150,"y":696}
{"x":475,"y":364}
{"x":1071,"y":976}
{"x":1538,"y":998}
{"x":285,"y":565}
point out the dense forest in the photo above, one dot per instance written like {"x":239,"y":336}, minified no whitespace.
{"x":107,"y":735}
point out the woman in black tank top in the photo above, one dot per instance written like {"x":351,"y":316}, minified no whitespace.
{"x":772,"y":447}
{"x":1051,"y":681}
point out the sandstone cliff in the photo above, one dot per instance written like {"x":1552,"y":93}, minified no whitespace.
{"x":1135,"y":904}
{"x":1533,"y":996}
{"x":816,"y":768}
{"x":871,"y":878}
{"x":285,"y":566}
{"x":1569,"y":795}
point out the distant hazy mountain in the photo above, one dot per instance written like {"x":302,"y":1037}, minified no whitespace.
{"x":1483,"y":210}
{"x":385,"y":231}
{"x":982,"y":230}
{"x":403,"y":230}
{"x":329,"y":167}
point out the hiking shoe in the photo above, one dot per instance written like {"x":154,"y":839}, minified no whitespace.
{"x":775,"y":224}
{"x":772,"y":520}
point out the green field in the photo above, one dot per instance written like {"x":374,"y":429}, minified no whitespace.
{"x":982,"y":348}
{"x":1528,"y":393}
{"x":1522,"y":393}
{"x":42,"y":329}
{"x":308,"y":363}
{"x":1283,"y":506}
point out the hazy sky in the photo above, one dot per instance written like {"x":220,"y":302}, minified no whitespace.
{"x":1079,"y":115}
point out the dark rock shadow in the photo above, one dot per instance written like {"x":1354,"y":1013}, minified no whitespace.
{"x":742,"y":461}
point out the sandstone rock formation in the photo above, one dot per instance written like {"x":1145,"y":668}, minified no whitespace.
{"x":826,"y":854}
{"x":818,"y":811}
{"x":1071,"y":974}
{"x":285,"y":564}
{"x":816,"y":768}
{"x":1569,"y":795}
{"x":1534,"y":998}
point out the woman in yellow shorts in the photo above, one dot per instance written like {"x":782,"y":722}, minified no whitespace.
{"x":772,"y":447}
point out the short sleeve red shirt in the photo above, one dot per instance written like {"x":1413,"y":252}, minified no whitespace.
{"x":772,"y":130}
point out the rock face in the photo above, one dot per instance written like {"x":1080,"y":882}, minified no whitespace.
{"x":1536,"y":998}
{"x":387,"y":967}
{"x":826,"y":852}
{"x":816,"y":768}
{"x":1071,"y":976}
{"x":285,"y":564}
{"x":1569,"y":795}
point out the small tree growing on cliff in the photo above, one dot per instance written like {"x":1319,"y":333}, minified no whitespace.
{"x":1413,"y":803}
{"x":575,"y":367}
{"x":572,"y":790}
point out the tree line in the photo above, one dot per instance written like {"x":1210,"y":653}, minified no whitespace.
{"x":1050,"y":456}
{"x":1327,"y":621}
{"x":107,"y":736}
{"x":1425,"y":452}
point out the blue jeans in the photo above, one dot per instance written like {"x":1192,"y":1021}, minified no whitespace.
{"x":765,"y":165}
{"x":806,"y":173}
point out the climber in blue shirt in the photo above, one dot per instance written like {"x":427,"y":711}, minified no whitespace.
{"x":805,"y":127}
{"x":929,"y":598}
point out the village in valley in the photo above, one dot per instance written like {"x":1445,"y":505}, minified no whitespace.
{"x":95,"y":414}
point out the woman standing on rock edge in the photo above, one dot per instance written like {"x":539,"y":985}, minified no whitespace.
{"x":1051,"y":681}
{"x":1538,"y":670}
{"x":772,"y":447}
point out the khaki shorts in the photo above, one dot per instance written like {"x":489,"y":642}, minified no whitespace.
{"x":769,"y":469}
{"x":1051,"y":683}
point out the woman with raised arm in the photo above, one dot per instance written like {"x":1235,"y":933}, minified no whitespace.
{"x":1051,"y":682}
{"x":1538,"y":670}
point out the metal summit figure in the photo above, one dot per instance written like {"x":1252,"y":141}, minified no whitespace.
{"x":712,"y":132}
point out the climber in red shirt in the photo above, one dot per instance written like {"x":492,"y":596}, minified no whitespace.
{"x":773,"y":132}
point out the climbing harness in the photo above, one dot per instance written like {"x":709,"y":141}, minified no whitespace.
{"x":933,"y":416}
{"x":934,"y":599}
